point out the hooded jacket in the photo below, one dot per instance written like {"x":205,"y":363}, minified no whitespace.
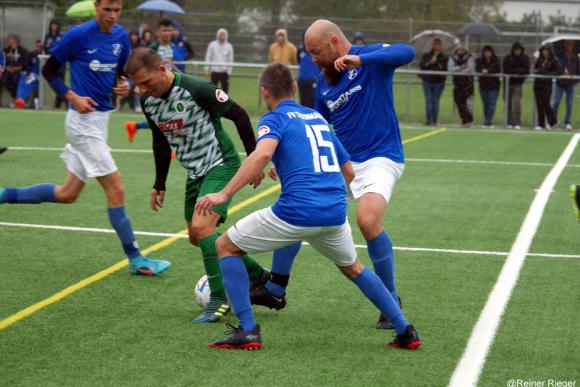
{"x":218,"y":52}
{"x":285,"y":53}
{"x":493,"y":66}
{"x":571,"y":63}
{"x":550,"y":66}
{"x":51,"y":38}
{"x":516,"y":64}
{"x":455,"y":64}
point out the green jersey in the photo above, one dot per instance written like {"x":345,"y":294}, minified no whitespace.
{"x":189,"y":118}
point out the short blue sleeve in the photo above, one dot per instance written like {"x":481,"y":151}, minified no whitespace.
{"x":269,"y":127}
{"x":341,"y":153}
{"x":68,"y":46}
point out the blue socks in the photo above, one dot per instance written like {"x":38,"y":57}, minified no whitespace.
{"x":282,"y":260}
{"x":143,"y":125}
{"x":381,"y":253}
{"x":372,"y":287}
{"x":122,"y":226}
{"x":35,"y":194}
{"x":237,"y":283}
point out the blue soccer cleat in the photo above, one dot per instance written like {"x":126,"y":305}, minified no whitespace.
{"x":574,"y":192}
{"x":2,"y":195}
{"x":145,"y":266}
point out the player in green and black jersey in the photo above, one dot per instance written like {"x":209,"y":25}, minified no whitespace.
{"x":184,"y":114}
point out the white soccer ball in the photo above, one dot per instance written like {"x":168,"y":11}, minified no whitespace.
{"x":202,"y":292}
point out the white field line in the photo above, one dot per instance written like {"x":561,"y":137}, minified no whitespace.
{"x":473,"y":359}
{"x":423,"y":160}
{"x":398,"y":248}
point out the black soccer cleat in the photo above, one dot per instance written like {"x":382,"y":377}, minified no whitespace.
{"x":384,"y":322}
{"x":240,"y":339}
{"x":409,"y":340}
{"x":262,"y":296}
{"x":3,"y":149}
{"x":260,"y":282}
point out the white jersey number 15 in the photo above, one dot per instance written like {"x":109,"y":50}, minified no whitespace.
{"x":317,"y":142}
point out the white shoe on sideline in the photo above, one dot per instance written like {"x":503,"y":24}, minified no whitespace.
{"x":568,"y":127}
{"x":517,"y":127}
{"x":538,"y":128}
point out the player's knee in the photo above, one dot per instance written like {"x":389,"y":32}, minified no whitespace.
{"x":221,"y":246}
{"x":193,"y":240}
{"x":368,"y":223}
{"x":199,"y":231}
{"x":66,"y":196}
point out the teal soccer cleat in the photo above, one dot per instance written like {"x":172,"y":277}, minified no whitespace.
{"x":145,"y":266}
{"x":214,"y":311}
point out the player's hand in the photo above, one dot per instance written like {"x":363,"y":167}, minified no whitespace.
{"x":347,"y":62}
{"x":434,"y":59}
{"x":123,"y":89}
{"x":209,"y":201}
{"x":272,"y":173}
{"x":82,"y":105}
{"x":157,"y":199}
{"x":257,"y":180}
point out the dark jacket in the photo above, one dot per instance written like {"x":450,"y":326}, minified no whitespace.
{"x":17,"y":57}
{"x":51,"y":38}
{"x":551,"y":66}
{"x":455,"y":64}
{"x":516,"y":64}
{"x":440,"y":65}
{"x":492,"y":67}
{"x":572,"y":64}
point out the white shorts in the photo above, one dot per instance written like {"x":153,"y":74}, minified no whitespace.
{"x":263,"y":231}
{"x":378,"y":175}
{"x":87,"y":153}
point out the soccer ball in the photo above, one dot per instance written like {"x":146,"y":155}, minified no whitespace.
{"x":202,"y":292}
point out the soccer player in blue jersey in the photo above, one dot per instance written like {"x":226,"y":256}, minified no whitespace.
{"x":97,"y":51}
{"x":312,"y":207}
{"x":355,"y":95}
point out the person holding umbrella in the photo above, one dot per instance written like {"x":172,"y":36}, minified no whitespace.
{"x":571,"y":65}
{"x":434,"y":60}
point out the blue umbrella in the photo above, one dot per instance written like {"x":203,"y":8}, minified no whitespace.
{"x":161,"y":6}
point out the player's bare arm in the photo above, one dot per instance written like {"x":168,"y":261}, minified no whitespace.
{"x":347,"y":62}
{"x":123,"y":88}
{"x":348,"y":172}
{"x":252,"y":168}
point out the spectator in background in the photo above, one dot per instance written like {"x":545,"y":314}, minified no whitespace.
{"x":147,"y":38}
{"x":163,"y":45}
{"x":489,"y":87}
{"x":571,"y":65}
{"x":2,"y":66}
{"x":462,"y":62}
{"x":182,"y":49}
{"x":28,"y":84}
{"x":434,"y":60}
{"x":282,"y":50}
{"x":358,"y":39}
{"x":547,"y":64}
{"x":308,"y":74}
{"x":16,"y":61}
{"x":516,"y":63}
{"x":52,"y":36}
{"x":220,"y":51}
{"x":135,"y":40}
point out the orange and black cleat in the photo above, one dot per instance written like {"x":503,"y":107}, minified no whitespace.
{"x":131,"y":130}
{"x":409,"y":340}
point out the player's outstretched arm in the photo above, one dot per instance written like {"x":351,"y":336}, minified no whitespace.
{"x":241,"y":120}
{"x":393,"y":55}
{"x":251,"y":169}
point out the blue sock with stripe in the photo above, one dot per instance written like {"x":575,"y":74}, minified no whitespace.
{"x":237,"y":284}
{"x":381,"y":253}
{"x":282,"y":260}
{"x":143,"y":125}
{"x":372,"y":287}
{"x":122,"y":225}
{"x":35,"y":194}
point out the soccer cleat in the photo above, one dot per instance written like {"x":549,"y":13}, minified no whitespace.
{"x":145,"y":266}
{"x":240,"y":339}
{"x":3,"y":149}
{"x":214,"y":311}
{"x":574,"y":192}
{"x":409,"y":340}
{"x":19,"y":103}
{"x":384,"y":322}
{"x":260,"y":282}
{"x":131,"y":127}
{"x":2,"y":195}
{"x":261,"y":296}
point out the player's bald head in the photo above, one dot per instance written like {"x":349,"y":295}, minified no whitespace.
{"x":143,"y":58}
{"x":322,"y":30}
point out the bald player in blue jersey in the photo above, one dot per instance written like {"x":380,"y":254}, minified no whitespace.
{"x":311,"y":207}
{"x":97,"y":52}
{"x":355,"y":95}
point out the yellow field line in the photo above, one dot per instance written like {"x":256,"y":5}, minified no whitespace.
{"x":424,"y":135}
{"x":164,"y":243}
{"x":119,"y":265}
